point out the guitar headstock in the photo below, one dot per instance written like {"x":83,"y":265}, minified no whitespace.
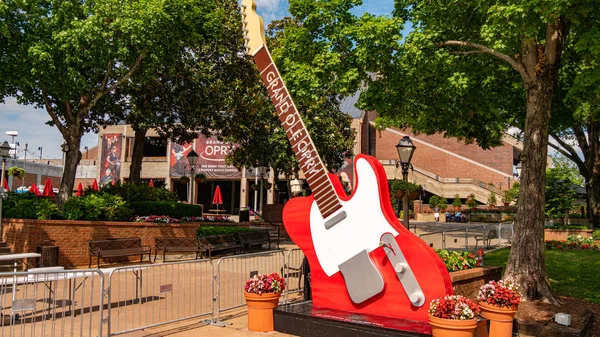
{"x":254,"y":27}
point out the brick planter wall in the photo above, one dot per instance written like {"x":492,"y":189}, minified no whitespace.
{"x":23,"y":235}
{"x":562,"y":234}
{"x":467,"y":282}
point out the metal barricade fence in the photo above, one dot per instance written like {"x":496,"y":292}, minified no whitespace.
{"x":233,"y":271}
{"x":294,"y":272}
{"x":51,"y":302}
{"x":471,"y":237}
{"x":148,"y":295}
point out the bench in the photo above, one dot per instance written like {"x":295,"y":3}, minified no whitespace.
{"x":180,"y":245}
{"x":118,"y":248}
{"x":255,"y":238}
{"x":486,"y":237}
{"x":221,"y":242}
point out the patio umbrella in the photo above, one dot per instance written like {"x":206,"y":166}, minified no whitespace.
{"x":48,"y":192}
{"x":217,"y":198}
{"x":80,"y":190}
{"x":5,"y":185}
{"x":95,"y":185}
{"x":151,"y":183}
{"x":34,"y":189}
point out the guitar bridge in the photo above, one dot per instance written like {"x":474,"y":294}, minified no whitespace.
{"x":402,"y":268}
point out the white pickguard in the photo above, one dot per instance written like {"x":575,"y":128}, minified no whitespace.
{"x":361,"y":229}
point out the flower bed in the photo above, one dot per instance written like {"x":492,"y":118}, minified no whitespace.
{"x":167,"y":219}
{"x":574,"y":242}
{"x":455,"y":261}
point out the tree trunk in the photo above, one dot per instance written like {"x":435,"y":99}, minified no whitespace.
{"x":72,"y":158}
{"x":135,"y":169}
{"x":526,"y":264}
{"x":593,"y":184}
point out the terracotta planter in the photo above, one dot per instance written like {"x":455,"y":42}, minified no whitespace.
{"x":492,"y":205}
{"x":441,"y":327}
{"x":506,"y":204}
{"x":456,"y":208}
{"x":260,"y":311}
{"x":399,"y":194}
{"x":501,"y":319}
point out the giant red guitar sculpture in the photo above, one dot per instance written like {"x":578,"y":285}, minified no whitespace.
{"x":361,"y":257}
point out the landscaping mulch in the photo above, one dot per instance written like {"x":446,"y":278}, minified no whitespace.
{"x":537,"y":318}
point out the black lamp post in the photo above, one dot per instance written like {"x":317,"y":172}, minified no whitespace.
{"x":4,"y":153}
{"x":192,"y":159}
{"x":405,"y":149}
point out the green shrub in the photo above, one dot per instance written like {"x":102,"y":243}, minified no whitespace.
{"x":568,"y":227}
{"x":596,"y":234}
{"x":457,"y":260}
{"x":28,"y":206}
{"x":94,"y":207}
{"x":434,"y":201}
{"x":456,"y":202}
{"x":173,"y":209}
{"x":443,"y":203}
{"x":404,"y":185}
{"x":217,"y":230}
{"x":136,"y":193}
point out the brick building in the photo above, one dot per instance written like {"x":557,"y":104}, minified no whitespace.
{"x":443,"y":166}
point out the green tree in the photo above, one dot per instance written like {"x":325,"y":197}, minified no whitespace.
{"x":559,"y":193}
{"x":66,"y":57}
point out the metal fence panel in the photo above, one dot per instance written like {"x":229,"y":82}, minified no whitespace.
{"x":471,"y":238}
{"x":143,"y":296}
{"x":51,"y":302}
{"x":294,"y":272}
{"x":233,"y":271}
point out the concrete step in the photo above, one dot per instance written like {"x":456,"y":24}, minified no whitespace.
{"x":4,"y":250}
{"x":2,"y":244}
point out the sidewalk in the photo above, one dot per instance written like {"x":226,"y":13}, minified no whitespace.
{"x":193,"y":328}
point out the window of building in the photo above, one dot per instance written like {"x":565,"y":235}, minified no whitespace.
{"x":155,"y":147}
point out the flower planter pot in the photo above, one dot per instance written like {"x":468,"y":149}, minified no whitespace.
{"x":492,"y":206}
{"x":399,"y":194}
{"x":413,"y":195}
{"x":501,"y":319}
{"x":260,"y":310}
{"x":441,"y":327}
{"x":506,"y":204}
{"x":456,"y":208}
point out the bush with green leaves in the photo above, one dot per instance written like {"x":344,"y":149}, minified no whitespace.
{"x":434,"y":201}
{"x":176,"y":210}
{"x":455,"y":261}
{"x":403,"y":185}
{"x":136,"y":192}
{"x":456,"y":202}
{"x":443,"y":203}
{"x":492,"y":198}
{"x":218,"y":230}
{"x":29,"y":206}
{"x":97,"y":206}
{"x":596,"y":234}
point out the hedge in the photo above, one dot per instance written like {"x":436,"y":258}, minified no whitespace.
{"x":173,"y":209}
{"x":218,"y":230}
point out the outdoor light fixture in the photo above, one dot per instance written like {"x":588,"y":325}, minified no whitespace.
{"x":296,"y":186}
{"x":192,"y":159}
{"x":519,"y":168}
{"x":405,"y":149}
{"x":4,"y":149}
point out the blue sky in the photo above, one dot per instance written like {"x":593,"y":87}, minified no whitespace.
{"x":30,"y":122}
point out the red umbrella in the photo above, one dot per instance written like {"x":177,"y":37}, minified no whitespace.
{"x":151,"y":183}
{"x":48,"y":192}
{"x":34,"y":189}
{"x":5,"y":185}
{"x":217,"y":198}
{"x":80,"y":190}
{"x":95,"y":185}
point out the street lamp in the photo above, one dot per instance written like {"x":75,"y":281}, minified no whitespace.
{"x":405,"y":149}
{"x":4,"y":153}
{"x":40,"y":149}
{"x":192,"y":159}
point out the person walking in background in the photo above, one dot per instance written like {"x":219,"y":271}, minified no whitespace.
{"x":436,"y":213}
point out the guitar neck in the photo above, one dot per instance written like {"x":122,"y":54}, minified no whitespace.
{"x":303,"y":146}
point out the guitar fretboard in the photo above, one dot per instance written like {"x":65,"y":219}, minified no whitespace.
{"x":303,"y":146}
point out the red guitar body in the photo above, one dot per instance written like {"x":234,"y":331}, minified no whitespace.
{"x":331,"y":292}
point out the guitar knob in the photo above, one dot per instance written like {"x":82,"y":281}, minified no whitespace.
{"x":417,"y":298}
{"x":400,"y":267}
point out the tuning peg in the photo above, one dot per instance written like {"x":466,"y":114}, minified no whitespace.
{"x":244,"y":6}
{"x":245,"y":22}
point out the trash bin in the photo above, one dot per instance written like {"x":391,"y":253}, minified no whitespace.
{"x":49,"y":254}
{"x":244,"y":216}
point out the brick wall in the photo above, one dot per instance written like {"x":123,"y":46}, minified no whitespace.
{"x":24,"y":235}
{"x":467,"y":282}
{"x":31,"y":179}
{"x":447,"y":165}
{"x":562,"y":234}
